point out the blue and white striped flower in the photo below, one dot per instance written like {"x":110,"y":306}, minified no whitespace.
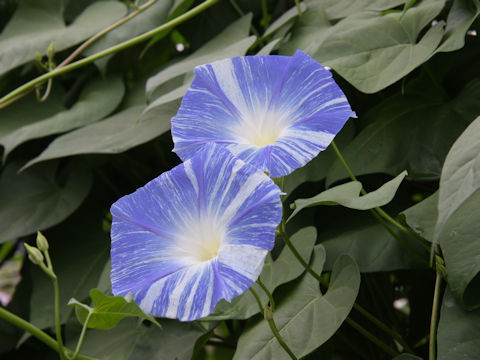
{"x":194,"y":235}
{"x":274,"y":112}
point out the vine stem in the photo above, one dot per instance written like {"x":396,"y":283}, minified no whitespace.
{"x":432,"y":354}
{"x":371,"y":337}
{"x":292,"y":248}
{"x":357,"y":307}
{"x":398,"y":238}
{"x":257,"y":298}
{"x":378,"y":210}
{"x":299,"y":8}
{"x":345,"y":165}
{"x":268,"y":315}
{"x":80,"y":49}
{"x":47,"y":91}
{"x":273,"y":327}
{"x":102,"y":33}
{"x":240,"y":12}
{"x":383,"y":327}
{"x":12,"y":100}
{"x":270,"y":297}
{"x":265,"y":15}
{"x":58,"y":326}
{"x":111,"y":50}
{"x":36,"y":332}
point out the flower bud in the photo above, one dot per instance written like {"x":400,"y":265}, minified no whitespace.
{"x":42,"y":242}
{"x":38,"y":57}
{"x":34,"y":254}
{"x":51,"y":50}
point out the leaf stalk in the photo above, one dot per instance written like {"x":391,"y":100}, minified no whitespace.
{"x":81,"y":337}
{"x":268,"y":315}
{"x":378,"y":210}
{"x":367,"y":334}
{"x":299,"y":7}
{"x":357,"y":307}
{"x":432,"y":345}
{"x":270,"y":297}
{"x":56,"y":291}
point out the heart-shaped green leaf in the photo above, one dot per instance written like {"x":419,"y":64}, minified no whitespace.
{"x":107,"y":311}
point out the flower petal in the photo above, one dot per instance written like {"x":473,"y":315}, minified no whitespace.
{"x":187,"y":294}
{"x":177,"y":242}
{"x":274,"y":112}
{"x":239,"y":267}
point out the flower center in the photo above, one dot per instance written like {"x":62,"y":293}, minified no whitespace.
{"x":208,"y":249}
{"x":261,"y":128}
{"x":263,"y":138}
{"x":201,"y":241}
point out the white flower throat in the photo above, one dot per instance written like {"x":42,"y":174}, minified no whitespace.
{"x":261,"y":128}
{"x":202,"y":240}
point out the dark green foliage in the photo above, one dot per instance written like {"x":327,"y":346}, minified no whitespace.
{"x":103,"y":131}
{"x":317,"y":315}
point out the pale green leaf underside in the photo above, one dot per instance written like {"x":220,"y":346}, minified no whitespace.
{"x":457,"y":226}
{"x":461,"y":16}
{"x":337,"y":9}
{"x":98,"y":99}
{"x":37,"y":23}
{"x":460,"y":174}
{"x":399,"y":132}
{"x":369,"y":49}
{"x":422,"y":217}
{"x":372,"y":51}
{"x":306,"y":318}
{"x":233,"y":41}
{"x":150,"y":18}
{"x":286,"y":17}
{"x":348,"y":195}
{"x":113,"y":135}
{"x":28,"y":110}
{"x":458,"y":334}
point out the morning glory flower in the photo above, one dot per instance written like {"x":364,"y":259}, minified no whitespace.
{"x":194,"y":235}
{"x":274,"y":112}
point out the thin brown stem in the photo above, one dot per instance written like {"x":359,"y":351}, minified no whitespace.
{"x":102,"y":33}
{"x":11,"y":101}
{"x":80,"y":49}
